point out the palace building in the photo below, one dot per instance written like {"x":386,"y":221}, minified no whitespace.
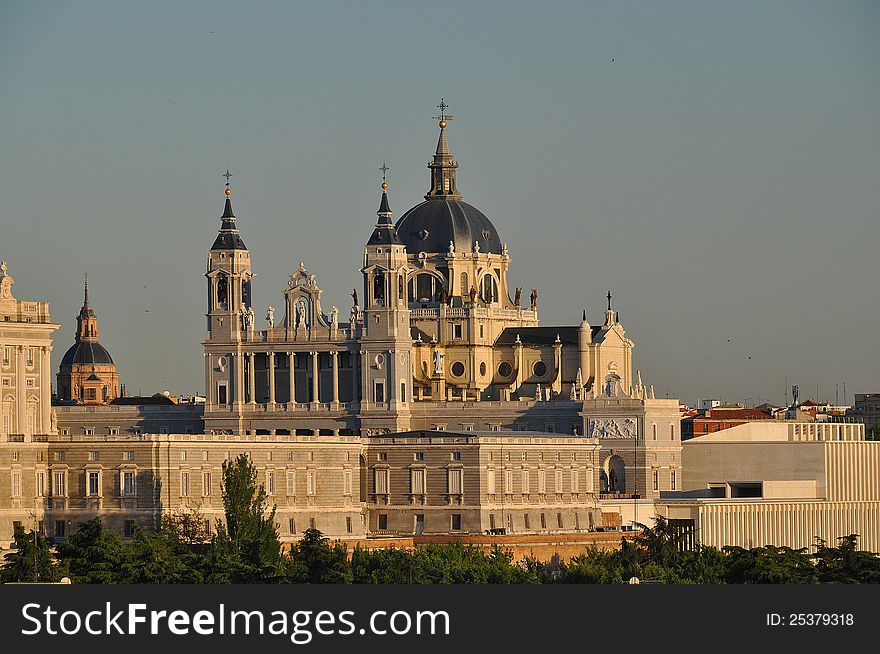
{"x":436,"y":403}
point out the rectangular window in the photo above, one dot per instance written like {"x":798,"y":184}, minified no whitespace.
{"x":419,"y":456}
{"x":491,"y":521}
{"x":456,"y":331}
{"x":590,"y":476}
{"x":60,"y":528}
{"x":94,"y":456}
{"x":383,"y":522}
{"x":312,"y":482}
{"x":559,"y":520}
{"x":270,"y":482}
{"x":403,"y":392}
{"x":346,"y":482}
{"x":456,"y":456}
{"x":221,"y":394}
{"x":59,"y":489}
{"x":542,"y":480}
{"x":379,"y":392}
{"x":525,"y":480}
{"x":381,"y":480}
{"x":206,"y":484}
{"x":456,"y":522}
{"x":454,"y":481}
{"x":128,"y":484}
{"x":16,"y":483}
{"x":311,"y":523}
{"x":656,"y":475}
{"x":93,"y":483}
{"x":88,"y":431}
{"x":291,"y":483}
{"x":41,"y":484}
{"x":417,"y":481}
{"x":574,"y":480}
{"x":129,"y":528}
{"x":490,"y":481}
{"x":558,"y":480}
{"x":348,"y":524}
{"x":527,"y":521}
{"x":184,"y":484}
{"x":543,"y":521}
{"x":508,"y":480}
{"x":291,"y":525}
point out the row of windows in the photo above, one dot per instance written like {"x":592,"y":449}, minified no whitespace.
{"x":654,"y":431}
{"x":525,"y":476}
{"x":418,"y":456}
{"x":9,"y":356}
{"x":418,"y":481}
{"x":419,"y":519}
{"x":91,"y":478}
{"x":271,"y":483}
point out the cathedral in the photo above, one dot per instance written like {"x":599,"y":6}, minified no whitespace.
{"x":434,"y":339}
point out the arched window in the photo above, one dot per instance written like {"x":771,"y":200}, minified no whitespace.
{"x":223,"y":293}
{"x":489,"y":289}
{"x":400,"y":287}
{"x":379,"y":286}
{"x":423,"y":288}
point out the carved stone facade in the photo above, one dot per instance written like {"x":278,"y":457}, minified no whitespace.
{"x":25,"y":375}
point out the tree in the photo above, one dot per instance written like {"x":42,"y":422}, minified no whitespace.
{"x":250,"y":532}
{"x":94,"y":555}
{"x":30,"y":560}
{"x":153,"y":560}
{"x":315,"y":561}
{"x":769,"y":565}
{"x":845,"y":564}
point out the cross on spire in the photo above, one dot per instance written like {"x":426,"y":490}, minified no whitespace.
{"x":443,"y":117}
{"x":609,"y":300}
{"x":227,"y":175}
{"x":384,"y":170}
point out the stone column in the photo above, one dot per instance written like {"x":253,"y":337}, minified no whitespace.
{"x":354,"y":378}
{"x":334,"y":358}
{"x":271,"y":378}
{"x":316,"y":377}
{"x":20,"y":390}
{"x":252,"y":382}
{"x":291,"y":365}
{"x":239,"y":378}
{"x":45,"y":391}
{"x":366,"y":391}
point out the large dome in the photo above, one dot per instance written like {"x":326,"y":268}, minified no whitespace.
{"x":86,"y":353}
{"x":431,"y":225}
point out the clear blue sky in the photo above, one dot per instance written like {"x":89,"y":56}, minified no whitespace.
{"x":721,"y":176}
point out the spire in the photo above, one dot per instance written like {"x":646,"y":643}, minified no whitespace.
{"x":385,"y":233}
{"x":86,"y":310}
{"x":443,"y":185}
{"x":610,"y":316}
{"x":228,"y":238}
{"x":384,"y":212}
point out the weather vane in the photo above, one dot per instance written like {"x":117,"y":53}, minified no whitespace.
{"x":443,"y":117}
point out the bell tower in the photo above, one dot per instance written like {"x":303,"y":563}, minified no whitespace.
{"x":386,"y":342}
{"x":230,"y":321}
{"x":229,"y":279}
